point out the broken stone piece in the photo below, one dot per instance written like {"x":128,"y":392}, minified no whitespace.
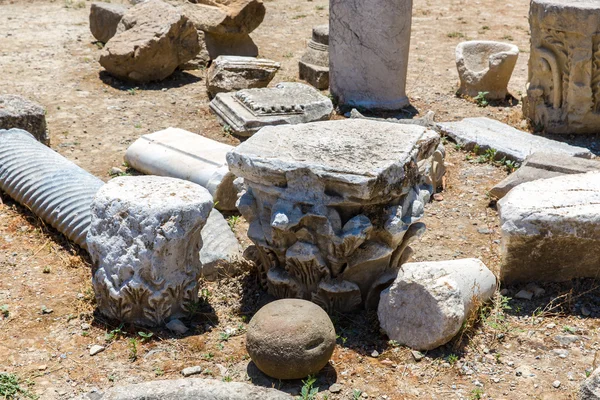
{"x":185,"y":155}
{"x":95,"y":349}
{"x":177,"y":326}
{"x":590,"y":388}
{"x":18,"y":112}
{"x":230,"y":17}
{"x":368,"y":51}
{"x":144,"y":241}
{"x":232,"y":73}
{"x":189,"y":371}
{"x":104,"y":19}
{"x":313,"y":67}
{"x":333,"y":206}
{"x":221,"y":252}
{"x":428,"y":302}
{"x":152,"y":40}
{"x":563,"y":95}
{"x":229,"y":45}
{"x":507,"y":141}
{"x":551,"y":229}
{"x":485,"y":66}
{"x":542,"y":166}
{"x":246,"y":111}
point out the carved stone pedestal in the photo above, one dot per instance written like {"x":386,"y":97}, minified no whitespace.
{"x":333,"y":206}
{"x":563,"y":93}
{"x":313,"y":67}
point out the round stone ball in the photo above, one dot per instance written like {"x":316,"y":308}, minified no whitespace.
{"x":290,"y":339}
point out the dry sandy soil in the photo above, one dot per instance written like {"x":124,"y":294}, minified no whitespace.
{"x":47,"y":319}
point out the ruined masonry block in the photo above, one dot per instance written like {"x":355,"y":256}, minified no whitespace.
{"x":333,"y":206}
{"x":368,"y":52}
{"x":18,"y":112}
{"x":313,"y":67}
{"x":104,"y":20}
{"x":246,"y":111}
{"x":178,"y":153}
{"x":232,"y":73}
{"x":551,"y":229}
{"x":145,"y":241}
{"x":563,"y":92}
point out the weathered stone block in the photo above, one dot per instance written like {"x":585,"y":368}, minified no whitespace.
{"x":551,"y":229}
{"x":507,"y":141}
{"x":563,"y":92}
{"x":246,"y":111}
{"x":368,"y":51}
{"x":232,"y":73}
{"x":428,"y":302}
{"x":221,"y":253}
{"x":152,"y":40}
{"x":229,"y":45}
{"x":145,"y":241}
{"x":485,"y":66}
{"x":104,"y":20}
{"x":542,"y":166}
{"x":313,"y":67}
{"x":333,"y":206}
{"x":18,"y":112}
{"x":185,"y":155}
{"x":230,"y":17}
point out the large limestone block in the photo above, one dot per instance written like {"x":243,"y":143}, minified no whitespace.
{"x":541,"y":165}
{"x":368,"y":52}
{"x":246,"y":111}
{"x":221,"y":253}
{"x":563,"y":91}
{"x":189,"y":389}
{"x":229,"y":45}
{"x":185,"y":155}
{"x":507,"y":141}
{"x":18,"y":112}
{"x":590,"y":388}
{"x":104,"y":20}
{"x":332,"y":206}
{"x":145,"y":241}
{"x":485,"y":66}
{"x":313,"y":67}
{"x":428,"y":302}
{"x":232,"y":73}
{"x":152,"y":40}
{"x":290,"y":339}
{"x":228,"y":17}
{"x":551,"y":229}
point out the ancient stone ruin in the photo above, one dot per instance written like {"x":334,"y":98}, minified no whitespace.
{"x":333,"y":206}
{"x":313,"y":67}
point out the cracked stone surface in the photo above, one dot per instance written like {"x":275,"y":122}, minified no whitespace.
{"x":550,"y":229}
{"x":333,"y":206}
{"x":232,"y":73}
{"x":368,"y":51}
{"x":144,"y":241}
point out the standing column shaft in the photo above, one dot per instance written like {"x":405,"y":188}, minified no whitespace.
{"x":368,"y":52}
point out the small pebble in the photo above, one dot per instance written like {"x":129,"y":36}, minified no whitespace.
{"x":556,"y":384}
{"x":375,"y":354}
{"x":438,"y":197}
{"x":524,"y":294}
{"x":417,"y":355}
{"x":85,"y":326}
{"x":177,"y":326}
{"x":189,"y":371}
{"x":95,"y":349}
{"x":335,"y":388}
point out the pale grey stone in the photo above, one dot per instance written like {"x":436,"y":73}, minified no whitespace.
{"x":427,"y":120}
{"x":190,"y":389}
{"x":185,"y":155}
{"x":144,"y":240}
{"x":428,"y":302}
{"x":225,"y":17}
{"x":506,"y":140}
{"x":524,"y":294}
{"x":18,"y":112}
{"x":104,"y":19}
{"x":551,"y":229}
{"x":232,"y":73}
{"x":290,"y":339}
{"x":313,"y":67}
{"x":309,"y":186}
{"x":590,"y":388}
{"x":335,"y":388}
{"x":246,"y":111}
{"x":368,"y":52}
{"x":221,"y":252}
{"x":485,"y":66}
{"x":95,"y":349}
{"x":177,"y":326}
{"x":541,"y":165}
{"x":189,"y":371}
{"x":566,"y":340}
{"x":563,"y":95}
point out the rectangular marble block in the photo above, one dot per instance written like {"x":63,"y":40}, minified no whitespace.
{"x":368,"y":52}
{"x":178,"y":153}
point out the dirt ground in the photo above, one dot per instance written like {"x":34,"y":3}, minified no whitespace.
{"x":516,"y":349}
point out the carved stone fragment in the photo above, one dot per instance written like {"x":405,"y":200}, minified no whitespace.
{"x":333,"y":206}
{"x":563,"y":92}
{"x":313,"y":67}
{"x":145,"y":241}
